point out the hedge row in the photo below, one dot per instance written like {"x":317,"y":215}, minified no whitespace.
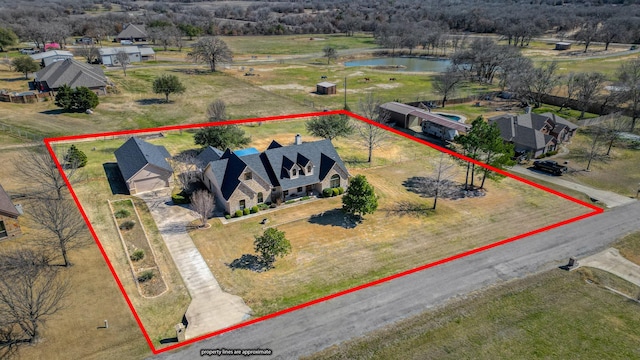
{"x":329,"y":192}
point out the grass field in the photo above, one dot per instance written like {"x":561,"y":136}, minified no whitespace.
{"x":629,"y":247}
{"x":555,"y":315}
{"x":330,"y":255}
{"x":296,"y":44}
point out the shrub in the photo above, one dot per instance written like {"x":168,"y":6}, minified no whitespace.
{"x":227,"y":216}
{"x":122,"y":213}
{"x":239,"y":213}
{"x":290,"y":201}
{"x":145,"y":276}
{"x":246,"y":211}
{"x":75,"y":158}
{"x":335,"y":192}
{"x":551,"y":153}
{"x":137,"y":255}
{"x":127,"y":225}
{"x":305,"y":198}
{"x":263,"y":206}
{"x":327,"y":192}
{"x":254,"y":209}
{"x":180,"y":198}
{"x":340,"y":190}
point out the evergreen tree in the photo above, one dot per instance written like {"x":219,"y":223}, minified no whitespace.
{"x":271,"y":244}
{"x":75,"y":158}
{"x":360,"y":198}
{"x":64,"y":97}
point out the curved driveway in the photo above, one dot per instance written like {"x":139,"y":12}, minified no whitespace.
{"x":322,"y":325}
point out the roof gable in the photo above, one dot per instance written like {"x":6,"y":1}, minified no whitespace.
{"x":208,"y":155}
{"x":135,"y":154}
{"x":6,"y":206}
{"x":133,"y":31}
{"x":72,"y":73}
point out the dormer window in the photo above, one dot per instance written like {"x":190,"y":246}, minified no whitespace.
{"x":294,"y":172}
{"x":309,"y":167}
{"x":248,"y":176}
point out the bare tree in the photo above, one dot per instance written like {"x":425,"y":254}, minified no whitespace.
{"x":370,"y":135}
{"x":89,"y":52}
{"x":186,"y":169}
{"x":330,"y":53}
{"x":202,"y":202}
{"x":123,"y":60}
{"x":61,"y":220}
{"x":613,"y":127}
{"x":588,"y":85}
{"x":37,"y":169}
{"x":595,"y":149}
{"x":211,"y":50}
{"x":571,"y":90}
{"x":444,"y":169}
{"x":587,"y":33}
{"x":629,"y":77}
{"x":448,"y":83}
{"x":30,"y":292}
{"x":217,"y":111}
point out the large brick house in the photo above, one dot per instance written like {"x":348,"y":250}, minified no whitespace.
{"x":243,"y":179}
{"x":9,"y":225}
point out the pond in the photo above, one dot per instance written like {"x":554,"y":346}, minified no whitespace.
{"x":405,"y":63}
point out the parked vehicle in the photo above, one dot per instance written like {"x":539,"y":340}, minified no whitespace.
{"x":550,"y":166}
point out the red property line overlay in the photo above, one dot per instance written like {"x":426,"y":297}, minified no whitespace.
{"x":49,"y":141}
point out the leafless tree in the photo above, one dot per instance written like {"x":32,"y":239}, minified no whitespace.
{"x":540,"y":81}
{"x":217,"y":111}
{"x":186,"y":169}
{"x":123,"y":61}
{"x":629,"y":78}
{"x":89,"y":52}
{"x":61,"y":220}
{"x":587,"y":86}
{"x":587,"y":33}
{"x":211,"y":50}
{"x":37,"y":169}
{"x":370,"y":135}
{"x":444,"y":169}
{"x":592,"y":151}
{"x":572,"y":87}
{"x":447,"y":83}
{"x":613,"y":127}
{"x":202,"y":202}
{"x":30,"y":292}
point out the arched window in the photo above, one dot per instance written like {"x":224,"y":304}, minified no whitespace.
{"x":260,"y":198}
{"x":335,"y":181}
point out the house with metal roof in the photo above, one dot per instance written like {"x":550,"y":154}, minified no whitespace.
{"x":72,"y":73}
{"x":241,"y":180}
{"x":133,"y":32}
{"x":108,"y":55}
{"x":9,"y":225}
{"x":534,"y":133}
{"x":144,"y":166}
{"x":420,"y":120}
{"x":49,"y":57}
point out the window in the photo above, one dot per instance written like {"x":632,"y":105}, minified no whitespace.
{"x":309,"y":169}
{"x":260,"y":198}
{"x":294,"y":172}
{"x":286,"y":192}
{"x":335,"y":181}
{"x":300,"y":189}
{"x":3,"y":230}
{"x":248,"y":176}
{"x":242,"y":205}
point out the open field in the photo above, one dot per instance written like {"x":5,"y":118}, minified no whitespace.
{"x":629,"y":247}
{"x":243,"y":46}
{"x":617,"y":172}
{"x":330,"y":253}
{"x":94,"y":297}
{"x":555,"y":314}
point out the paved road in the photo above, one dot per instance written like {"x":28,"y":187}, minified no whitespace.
{"x":317,"y":327}
{"x":211,"y":308}
{"x":607,"y":197}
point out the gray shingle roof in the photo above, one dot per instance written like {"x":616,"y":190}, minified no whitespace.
{"x":519,"y":134}
{"x":208,"y":155}
{"x":273,"y":164}
{"x":135,"y":154}
{"x":133,"y":31}
{"x":6,"y":206}
{"x":72,"y":73}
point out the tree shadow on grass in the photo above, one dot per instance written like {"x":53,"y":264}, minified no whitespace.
{"x":192,"y":71}
{"x":249,"y":262}
{"x":152,"y":101}
{"x":116,"y":181}
{"x":408,"y":208}
{"x":335,"y":217}
{"x":53,"y":112}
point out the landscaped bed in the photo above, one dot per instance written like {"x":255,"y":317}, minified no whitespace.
{"x":141,"y":257}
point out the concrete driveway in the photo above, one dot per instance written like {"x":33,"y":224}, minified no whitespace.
{"x":211,"y":308}
{"x":611,"y":261}
{"x":609,"y":198}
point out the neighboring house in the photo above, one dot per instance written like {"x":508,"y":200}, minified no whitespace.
{"x":326,"y":88}
{"x":72,"y":73}
{"x":534,"y":133}
{"x":9,"y":225}
{"x":49,"y":57}
{"x":411,"y":117}
{"x":241,"y":180}
{"x":562,"y":45}
{"x":85,"y":40}
{"x":136,"y":54}
{"x":133,"y":32}
{"x":144,"y":166}
{"x":208,"y":155}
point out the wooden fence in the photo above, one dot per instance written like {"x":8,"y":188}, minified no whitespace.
{"x":26,"y":98}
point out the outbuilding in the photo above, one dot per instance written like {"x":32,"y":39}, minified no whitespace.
{"x":562,"y":46}
{"x":144,"y":166}
{"x":326,"y":88}
{"x":49,"y":57}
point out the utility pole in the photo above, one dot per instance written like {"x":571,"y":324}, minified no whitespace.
{"x":345,"y":92}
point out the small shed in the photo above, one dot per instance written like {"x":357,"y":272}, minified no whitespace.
{"x":49,"y":57}
{"x":326,"y":88}
{"x":563,"y":46}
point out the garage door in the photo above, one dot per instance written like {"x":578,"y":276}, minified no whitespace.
{"x":150,"y":184}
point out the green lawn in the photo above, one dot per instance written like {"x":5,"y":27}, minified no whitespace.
{"x":551,"y":315}
{"x":296,"y":44}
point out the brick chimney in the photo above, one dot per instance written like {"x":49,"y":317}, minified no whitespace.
{"x":298,"y":140}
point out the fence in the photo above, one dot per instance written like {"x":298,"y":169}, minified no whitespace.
{"x":30,"y":97}
{"x":14,"y":131}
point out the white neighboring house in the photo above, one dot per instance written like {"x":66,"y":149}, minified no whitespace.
{"x":136,"y":54}
{"x":49,"y":57}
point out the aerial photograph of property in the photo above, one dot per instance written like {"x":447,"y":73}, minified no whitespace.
{"x":320,"y":179}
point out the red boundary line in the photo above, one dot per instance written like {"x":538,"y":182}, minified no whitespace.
{"x":49,"y":141}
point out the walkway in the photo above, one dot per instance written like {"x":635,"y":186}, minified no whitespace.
{"x":609,"y":198}
{"x":211,"y":308}
{"x":611,"y":261}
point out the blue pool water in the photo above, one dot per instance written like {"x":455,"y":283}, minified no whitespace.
{"x":247,"y":151}
{"x":449,"y":116}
